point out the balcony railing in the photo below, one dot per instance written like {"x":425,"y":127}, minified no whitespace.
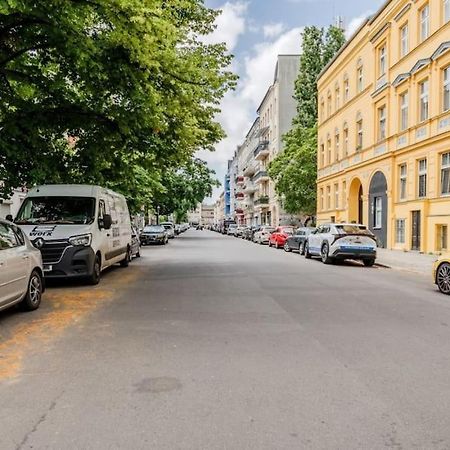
{"x":264,"y":200}
{"x":261,"y":176}
{"x":240,"y":180}
{"x":262,"y":150}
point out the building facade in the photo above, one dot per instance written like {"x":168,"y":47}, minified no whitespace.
{"x":384,"y":127}
{"x":252,"y":193}
{"x":13,"y":203}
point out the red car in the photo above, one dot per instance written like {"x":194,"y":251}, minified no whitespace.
{"x":279,"y":236}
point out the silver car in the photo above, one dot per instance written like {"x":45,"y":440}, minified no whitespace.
{"x":21,"y":270}
{"x":263,"y":234}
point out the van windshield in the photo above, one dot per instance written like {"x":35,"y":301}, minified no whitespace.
{"x":57,"y":210}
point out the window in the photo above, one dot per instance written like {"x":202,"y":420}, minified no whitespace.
{"x":403,"y":175}
{"x":322,"y":109}
{"x":404,"y":40}
{"x":336,"y":146}
{"x":8,"y":239}
{"x":328,"y":197}
{"x":337,"y":98}
{"x":359,"y":134}
{"x":382,"y":60}
{"x":400,"y":231}
{"x":423,"y":100}
{"x":382,"y":123}
{"x":424,"y":22}
{"x":322,"y":155}
{"x":336,"y":196}
{"x":329,"y":149}
{"x":344,"y":194}
{"x":346,"y":89}
{"x":378,"y":212}
{"x":329,"y":105}
{"x":345,"y":140}
{"x":447,"y":89}
{"x":446,"y":11}
{"x":404,"y":108}
{"x":442,"y":233}
{"x":445,"y":173}
{"x":422,"y":181}
{"x":360,"y":80}
{"x":321,"y":199}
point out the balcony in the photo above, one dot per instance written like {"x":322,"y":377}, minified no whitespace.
{"x":240,"y":180}
{"x":261,"y":177}
{"x":239,"y":196}
{"x":262,"y":202}
{"x":262,"y":151}
{"x":250,"y":169}
{"x":250,"y":187}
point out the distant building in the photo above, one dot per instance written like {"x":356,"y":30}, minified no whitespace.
{"x":194,"y":217}
{"x":12,"y":205}
{"x":207,"y":215}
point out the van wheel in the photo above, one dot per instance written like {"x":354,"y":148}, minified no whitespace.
{"x":126,"y":261}
{"x":33,"y":296}
{"x":94,"y":278}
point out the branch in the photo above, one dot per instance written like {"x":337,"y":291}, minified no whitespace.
{"x":21,"y":52}
{"x":183,"y":80}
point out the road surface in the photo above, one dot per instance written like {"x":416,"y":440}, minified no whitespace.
{"x":216,"y":343}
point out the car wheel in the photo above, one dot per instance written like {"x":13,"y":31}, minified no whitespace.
{"x":325,"y":254}
{"x":368,"y":262}
{"x":276,"y":245}
{"x":33,"y":296}
{"x":126,"y":261}
{"x":94,"y":278}
{"x":307,"y":254}
{"x":270,"y":243}
{"x":286,"y":248}
{"x":301,"y":248}
{"x":443,"y":278}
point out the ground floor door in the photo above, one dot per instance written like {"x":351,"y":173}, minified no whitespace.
{"x":415,"y":231}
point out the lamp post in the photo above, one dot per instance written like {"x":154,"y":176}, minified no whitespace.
{"x":157,"y":215}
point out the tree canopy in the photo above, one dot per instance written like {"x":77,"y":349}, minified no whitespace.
{"x":114,"y":92}
{"x":295,"y":169}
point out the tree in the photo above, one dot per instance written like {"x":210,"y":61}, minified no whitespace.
{"x":106,"y":91}
{"x":295,"y":169}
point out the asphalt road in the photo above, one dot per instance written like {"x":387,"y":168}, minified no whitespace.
{"x":216,"y":343}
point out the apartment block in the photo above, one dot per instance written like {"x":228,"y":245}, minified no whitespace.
{"x":384,"y":127}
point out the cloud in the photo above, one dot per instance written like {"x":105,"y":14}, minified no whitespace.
{"x":230,"y":25}
{"x":354,"y":24}
{"x":273,"y":30}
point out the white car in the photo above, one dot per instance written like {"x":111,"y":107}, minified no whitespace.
{"x":342,"y":241}
{"x":263,"y":234}
{"x":231,"y":231}
{"x":170,"y":229}
{"x":21,"y":270}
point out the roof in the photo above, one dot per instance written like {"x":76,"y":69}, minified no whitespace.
{"x":66,"y":190}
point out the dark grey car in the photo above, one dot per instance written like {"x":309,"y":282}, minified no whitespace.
{"x":297,"y":240}
{"x":154,"y":234}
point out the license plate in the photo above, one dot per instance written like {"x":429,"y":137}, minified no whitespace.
{"x":48,"y":268}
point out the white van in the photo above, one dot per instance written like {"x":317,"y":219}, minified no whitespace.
{"x":80,"y":229}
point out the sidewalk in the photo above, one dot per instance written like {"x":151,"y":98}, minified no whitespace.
{"x":408,"y":261}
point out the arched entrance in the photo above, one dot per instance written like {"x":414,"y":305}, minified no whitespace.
{"x":355,"y":202}
{"x":378,"y":207}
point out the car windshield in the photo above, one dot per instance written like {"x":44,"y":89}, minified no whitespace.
{"x":287,"y":230}
{"x":154,"y":229}
{"x":167,"y":226}
{"x":353,"y":229}
{"x":268,"y":229}
{"x":57,"y":210}
{"x":233,"y":226}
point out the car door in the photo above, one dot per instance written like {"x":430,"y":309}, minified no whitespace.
{"x":14,"y":265}
{"x":297,"y":239}
{"x":313,"y":240}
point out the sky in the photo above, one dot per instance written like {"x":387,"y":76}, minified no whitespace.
{"x":256,"y":31}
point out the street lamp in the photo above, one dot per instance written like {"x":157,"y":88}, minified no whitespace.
{"x":157,"y":215}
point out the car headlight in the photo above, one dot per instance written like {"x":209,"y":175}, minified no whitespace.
{"x":82,"y":240}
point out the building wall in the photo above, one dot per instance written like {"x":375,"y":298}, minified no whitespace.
{"x":351,"y":178}
{"x":12,"y":204}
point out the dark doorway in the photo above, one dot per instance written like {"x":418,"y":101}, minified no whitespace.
{"x":378,"y":208}
{"x":360,"y":205}
{"x":415,"y":244}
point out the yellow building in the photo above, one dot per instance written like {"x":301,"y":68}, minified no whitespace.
{"x":384,"y":127}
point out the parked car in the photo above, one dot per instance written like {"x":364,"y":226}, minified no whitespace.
{"x":441,"y":273}
{"x":177,"y":229}
{"x":279,"y":236}
{"x":239,"y":231}
{"x":262,"y":235}
{"x":225,"y":225}
{"x":80,"y":229}
{"x":248,"y":233}
{"x":154,"y":234}
{"x":21,"y":269}
{"x":135,"y":242}
{"x":297,"y":240}
{"x":342,"y":241}
{"x":169,"y":229}
{"x":231,"y":230}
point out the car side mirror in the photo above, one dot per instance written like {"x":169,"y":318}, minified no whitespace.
{"x":9,"y":218}
{"x":106,"y":222}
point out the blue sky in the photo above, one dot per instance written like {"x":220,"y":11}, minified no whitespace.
{"x":256,"y":31}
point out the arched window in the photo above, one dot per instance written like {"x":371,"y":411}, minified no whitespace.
{"x":329,"y":104}
{"x":322,"y":154}
{"x":322,"y":108}
{"x":345,"y":140}
{"x":359,"y":132}
{"x":346,"y":88}
{"x":337,"y":97}
{"x":337,"y":143}
{"x":329,"y":149}
{"x":359,"y":75}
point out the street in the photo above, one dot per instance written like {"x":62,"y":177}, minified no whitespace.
{"x":213,"y":342}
